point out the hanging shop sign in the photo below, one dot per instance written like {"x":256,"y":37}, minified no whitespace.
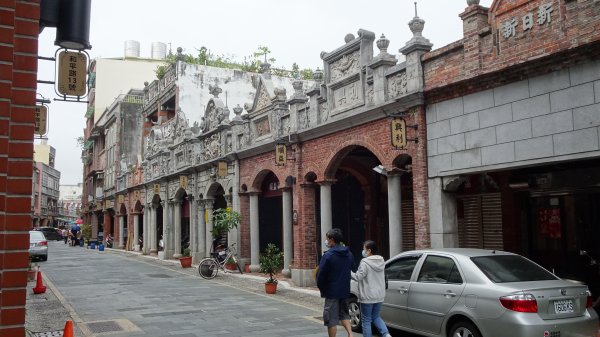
{"x":41,"y":120}
{"x":280,"y":154}
{"x":183,"y":182}
{"x":156,"y":188}
{"x":222,"y":169}
{"x":121,"y":199}
{"x":72,"y":73}
{"x":398,"y":128}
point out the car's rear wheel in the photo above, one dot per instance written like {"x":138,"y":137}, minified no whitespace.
{"x":464,"y":329}
{"x":354,"y":311}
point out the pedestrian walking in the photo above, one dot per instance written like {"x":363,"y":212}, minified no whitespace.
{"x":65,"y":234}
{"x":371,"y":289}
{"x":333,"y":280}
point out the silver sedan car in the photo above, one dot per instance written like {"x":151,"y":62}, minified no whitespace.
{"x":38,"y":245}
{"x":463,"y":292}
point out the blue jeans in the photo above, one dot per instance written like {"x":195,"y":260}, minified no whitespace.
{"x":370,"y":314}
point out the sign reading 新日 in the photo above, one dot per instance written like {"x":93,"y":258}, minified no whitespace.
{"x":72,"y":72}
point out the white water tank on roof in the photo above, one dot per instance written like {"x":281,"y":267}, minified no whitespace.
{"x":132,"y":48}
{"x":158,"y":50}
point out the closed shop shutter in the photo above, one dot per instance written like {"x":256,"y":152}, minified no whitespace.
{"x":480,"y":221}
{"x":408,"y":225}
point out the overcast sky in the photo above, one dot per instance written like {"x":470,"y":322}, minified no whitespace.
{"x":295,"y":31}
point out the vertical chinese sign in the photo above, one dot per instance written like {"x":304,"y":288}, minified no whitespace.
{"x":72,"y":73}
{"x":41,"y":117}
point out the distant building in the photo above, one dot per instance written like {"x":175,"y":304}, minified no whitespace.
{"x":106,"y":83}
{"x":46,"y":182}
{"x":70,"y":202}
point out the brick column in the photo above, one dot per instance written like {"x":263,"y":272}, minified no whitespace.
{"x":19,"y":29}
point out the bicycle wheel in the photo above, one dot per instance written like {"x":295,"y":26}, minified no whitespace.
{"x":208,"y":268}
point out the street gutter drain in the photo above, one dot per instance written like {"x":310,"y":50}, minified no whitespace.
{"x":48,"y":334}
{"x":101,"y":327}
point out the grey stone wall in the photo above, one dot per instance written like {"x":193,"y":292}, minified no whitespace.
{"x":553,"y":117}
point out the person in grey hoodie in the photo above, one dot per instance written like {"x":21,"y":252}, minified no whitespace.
{"x":371,"y":289}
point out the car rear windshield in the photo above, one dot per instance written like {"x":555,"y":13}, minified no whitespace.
{"x":511,"y":268}
{"x":36,"y":236}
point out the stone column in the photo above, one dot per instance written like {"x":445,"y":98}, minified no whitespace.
{"x":208,"y":205}
{"x":177,"y":231}
{"x":144,"y":249}
{"x":136,"y":232}
{"x":201,"y":230}
{"x":152,"y":231}
{"x":254,"y":233}
{"x":193,"y":228}
{"x":442,"y":214}
{"x":166,"y":227}
{"x":394,"y":213}
{"x":121,"y":229}
{"x":288,"y":248}
{"x":325,"y":211}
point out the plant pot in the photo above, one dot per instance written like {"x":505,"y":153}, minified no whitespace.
{"x":31,"y":274}
{"x":247,"y":269}
{"x":270,"y":288}
{"x":230,"y":266}
{"x":186,"y":261}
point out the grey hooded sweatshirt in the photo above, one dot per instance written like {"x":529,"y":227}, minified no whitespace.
{"x":371,"y":279}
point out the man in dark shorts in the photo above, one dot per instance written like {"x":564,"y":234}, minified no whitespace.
{"x":333,"y":280}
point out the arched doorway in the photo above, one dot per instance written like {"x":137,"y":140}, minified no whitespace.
{"x":158,"y":223}
{"x":216,"y":193}
{"x":359,"y":200}
{"x":182,"y":212}
{"x":123,"y":226}
{"x":139,"y":210}
{"x":270,"y":212}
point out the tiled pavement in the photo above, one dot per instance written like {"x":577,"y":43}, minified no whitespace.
{"x":141,"y":296}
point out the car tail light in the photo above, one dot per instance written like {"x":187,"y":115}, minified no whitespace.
{"x":43,"y":243}
{"x":520,"y":303}
{"x":590,"y":301}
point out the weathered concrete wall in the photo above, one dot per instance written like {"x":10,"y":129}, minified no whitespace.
{"x":552,"y":117}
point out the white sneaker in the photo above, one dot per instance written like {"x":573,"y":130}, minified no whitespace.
{"x":387,"y":335}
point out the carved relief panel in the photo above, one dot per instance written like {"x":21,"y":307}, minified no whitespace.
{"x":345,"y":66}
{"x":397,"y":85}
{"x":262,"y":127}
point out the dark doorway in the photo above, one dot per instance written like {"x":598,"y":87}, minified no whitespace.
{"x":159,"y":226}
{"x":270,"y":210}
{"x":185,"y":224}
{"x":348,"y":211}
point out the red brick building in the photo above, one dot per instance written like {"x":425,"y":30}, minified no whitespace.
{"x":19,"y":29}
{"x":349,"y":153}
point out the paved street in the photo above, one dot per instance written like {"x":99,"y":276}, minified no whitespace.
{"x":144,"y":297}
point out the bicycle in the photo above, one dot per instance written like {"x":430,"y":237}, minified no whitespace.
{"x":209,"y":267}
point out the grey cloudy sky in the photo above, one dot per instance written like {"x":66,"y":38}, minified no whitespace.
{"x":295,"y":31}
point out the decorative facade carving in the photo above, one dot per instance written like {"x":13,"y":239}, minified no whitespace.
{"x":212,"y":146}
{"x":324,"y":111}
{"x":397,"y":85}
{"x":263,"y":98}
{"x":262,"y":127}
{"x":370,"y":96}
{"x":303,"y":119}
{"x":347,"y":95}
{"x":346,"y":65}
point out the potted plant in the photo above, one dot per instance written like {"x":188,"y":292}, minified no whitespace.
{"x":186,"y":259}
{"x":32,"y":270}
{"x":224,"y":220}
{"x":230,"y":264}
{"x":271,"y":262}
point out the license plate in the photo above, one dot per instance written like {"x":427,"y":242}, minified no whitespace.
{"x":563,"y":306}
